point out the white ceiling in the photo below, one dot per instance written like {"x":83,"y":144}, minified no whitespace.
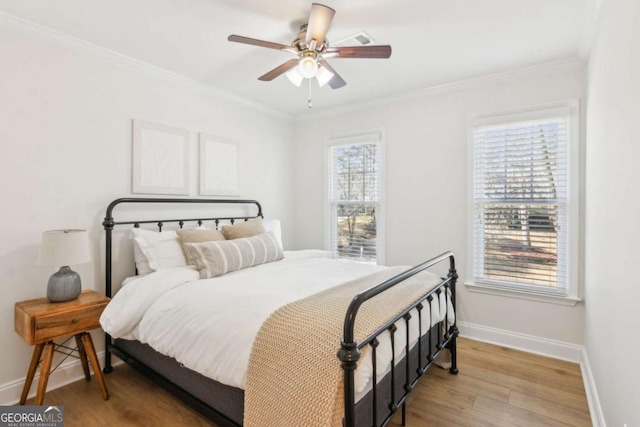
{"x":434,"y":41}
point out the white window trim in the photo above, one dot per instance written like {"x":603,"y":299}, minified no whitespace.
{"x":368,"y":135}
{"x":570,"y":108}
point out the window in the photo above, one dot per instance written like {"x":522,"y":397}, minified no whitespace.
{"x":355,"y":197}
{"x":524,"y":201}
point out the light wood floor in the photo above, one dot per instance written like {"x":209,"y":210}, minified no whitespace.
{"x":496,"y":386}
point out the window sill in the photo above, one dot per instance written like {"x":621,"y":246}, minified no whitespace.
{"x":531,"y":296}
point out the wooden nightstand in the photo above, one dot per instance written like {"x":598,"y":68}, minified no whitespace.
{"x":39,"y":322}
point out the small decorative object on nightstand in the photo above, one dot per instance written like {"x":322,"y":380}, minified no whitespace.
{"x":39,"y":322}
{"x":64,"y":248}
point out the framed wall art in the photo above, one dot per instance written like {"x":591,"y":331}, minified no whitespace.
{"x":160,"y":159}
{"x":219,"y":163}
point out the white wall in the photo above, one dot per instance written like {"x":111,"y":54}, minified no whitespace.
{"x":65,"y":153}
{"x":426,"y":184}
{"x":613,"y":209}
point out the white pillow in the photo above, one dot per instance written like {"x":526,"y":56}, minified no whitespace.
{"x":142,"y":263}
{"x":273,"y":226}
{"x":155,"y":251}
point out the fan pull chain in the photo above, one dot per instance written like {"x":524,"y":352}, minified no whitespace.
{"x":309,"y":99}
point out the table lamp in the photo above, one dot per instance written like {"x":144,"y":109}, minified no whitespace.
{"x":64,"y":248}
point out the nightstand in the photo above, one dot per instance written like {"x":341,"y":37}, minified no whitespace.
{"x":39,"y":322}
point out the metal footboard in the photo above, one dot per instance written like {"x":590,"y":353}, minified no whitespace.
{"x":350,"y":350}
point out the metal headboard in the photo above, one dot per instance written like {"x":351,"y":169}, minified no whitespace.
{"x":109,"y":223}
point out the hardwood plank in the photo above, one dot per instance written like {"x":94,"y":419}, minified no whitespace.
{"x":439,"y":416}
{"x":80,"y":409}
{"x":448,"y":407}
{"x":512,"y":414}
{"x":557,"y":410}
{"x":530,"y":387}
{"x":462,"y":381}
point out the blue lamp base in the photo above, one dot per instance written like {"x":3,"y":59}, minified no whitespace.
{"x":64,"y":285}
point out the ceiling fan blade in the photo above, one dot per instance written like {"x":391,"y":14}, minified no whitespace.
{"x":256,"y":42}
{"x":382,"y":51}
{"x":280,"y":69}
{"x":320,"y":19}
{"x":336,"y":81}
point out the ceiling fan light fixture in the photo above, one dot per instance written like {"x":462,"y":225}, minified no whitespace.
{"x":308,"y":67}
{"x":294,"y":76}
{"x":311,"y":51}
{"x":323,"y":75}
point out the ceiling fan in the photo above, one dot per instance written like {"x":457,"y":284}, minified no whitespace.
{"x":312,"y":51}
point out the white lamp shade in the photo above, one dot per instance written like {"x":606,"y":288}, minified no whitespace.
{"x":308,"y":67}
{"x":64,"y":247}
{"x":294,"y":76}
{"x":323,"y":76}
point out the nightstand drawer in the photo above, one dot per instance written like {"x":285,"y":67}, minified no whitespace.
{"x":67,"y":323}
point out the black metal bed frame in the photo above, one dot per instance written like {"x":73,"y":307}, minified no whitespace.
{"x":349,"y":352}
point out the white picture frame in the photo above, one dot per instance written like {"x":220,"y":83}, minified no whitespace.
{"x":219,"y":166}
{"x":160,"y":159}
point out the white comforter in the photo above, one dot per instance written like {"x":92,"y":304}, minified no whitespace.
{"x":209,"y":325}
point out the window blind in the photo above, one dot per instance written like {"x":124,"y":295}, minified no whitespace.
{"x":521,"y":204}
{"x":354,"y":195}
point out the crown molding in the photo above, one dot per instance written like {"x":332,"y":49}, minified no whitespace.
{"x":474,"y":82}
{"x":34,"y":30}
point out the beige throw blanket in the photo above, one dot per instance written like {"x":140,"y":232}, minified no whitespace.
{"x":294,"y":377}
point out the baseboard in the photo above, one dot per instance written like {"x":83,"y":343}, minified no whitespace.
{"x":529,"y":343}
{"x":597,"y":417}
{"x":66,"y":373}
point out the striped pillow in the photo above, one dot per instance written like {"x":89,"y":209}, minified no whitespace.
{"x":217,"y":258}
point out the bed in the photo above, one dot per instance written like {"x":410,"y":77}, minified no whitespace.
{"x":304,"y":340}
